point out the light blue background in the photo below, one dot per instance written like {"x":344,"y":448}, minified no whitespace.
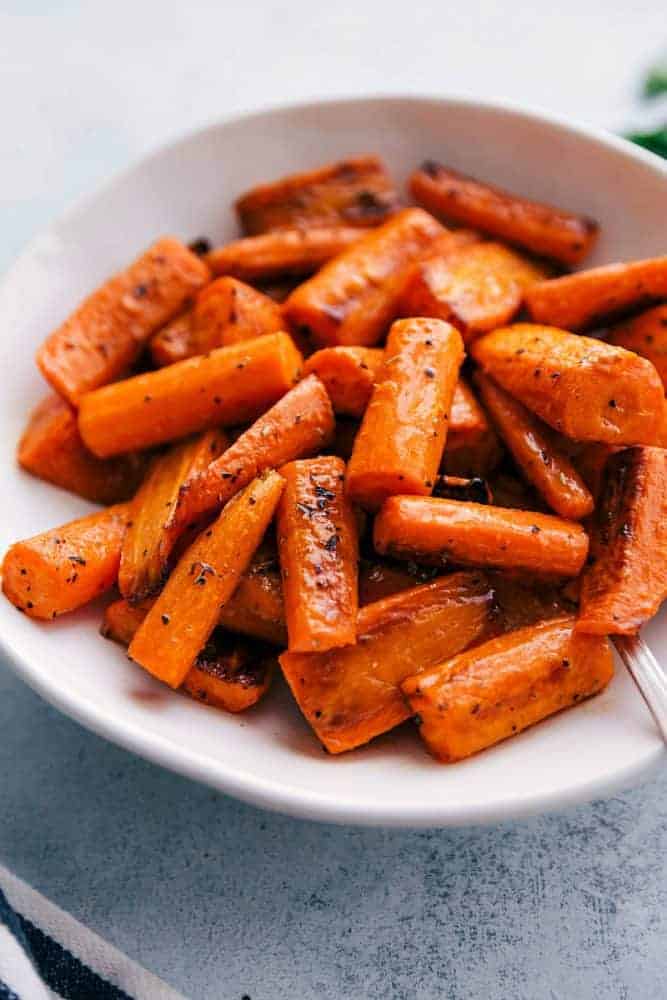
{"x":217,"y":898}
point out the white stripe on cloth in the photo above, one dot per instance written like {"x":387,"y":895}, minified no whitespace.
{"x":102,"y":958}
{"x":17,"y":971}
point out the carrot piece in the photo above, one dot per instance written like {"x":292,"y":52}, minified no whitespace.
{"x":173,"y":342}
{"x":351,"y":694}
{"x":527,"y":600}
{"x":579,"y":301}
{"x":476,"y":288}
{"x":299,"y":424}
{"x":180,"y":622}
{"x":646,"y":335}
{"x":64,"y":568}
{"x":230,"y":385}
{"x":472,"y":448}
{"x":281,"y":253}
{"x":441,"y":531}
{"x":51,"y":449}
{"x":228,"y":311}
{"x":540,"y":228}
{"x":122,"y":619}
{"x":533,"y":448}
{"x":590,"y":461}
{"x":356,"y":296}
{"x":354,"y":192}
{"x":317,"y":545}
{"x":584,"y":388}
{"x":498,"y":689}
{"x":348,"y":374}
{"x":402,"y":436}
{"x":144,"y":562}
{"x":102,"y":339}
{"x":230,"y":673}
{"x":627,"y":580}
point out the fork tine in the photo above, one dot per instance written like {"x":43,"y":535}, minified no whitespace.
{"x":647,"y":674}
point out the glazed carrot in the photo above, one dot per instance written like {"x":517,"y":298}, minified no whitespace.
{"x":584,"y":388}
{"x":540,"y":228}
{"x":299,"y":424}
{"x":64,"y":568}
{"x":122,"y":619}
{"x":627,"y":580}
{"x":228,"y":311}
{"x":380,"y":579}
{"x":590,"y":461}
{"x":230,"y":385}
{"x":317,"y":545}
{"x":281,"y":253}
{"x":102,"y":339}
{"x":445,"y":531}
{"x":51,"y":449}
{"x":646,"y":334}
{"x":144,"y":561}
{"x":476,"y":288}
{"x":348,"y":374}
{"x":230,"y":673}
{"x":351,"y":694}
{"x":174,"y":341}
{"x":472,"y":448}
{"x":354,"y":192}
{"x":180,"y":622}
{"x":579,"y":301}
{"x":502,"y":687}
{"x":535,"y":452}
{"x":402,"y":436}
{"x":355,"y":297}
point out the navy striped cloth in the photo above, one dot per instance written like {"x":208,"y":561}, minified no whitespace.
{"x":46,"y":954}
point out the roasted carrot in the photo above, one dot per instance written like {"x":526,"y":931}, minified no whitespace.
{"x":354,"y":192}
{"x":51,"y":449}
{"x":298,"y":425}
{"x":535,"y":452}
{"x":527,"y":600}
{"x":62,"y":569}
{"x":351,"y":694}
{"x":144,"y":562}
{"x":586,"y":298}
{"x":348,"y":374}
{"x":174,"y":341}
{"x":281,"y":253}
{"x":228,"y":311}
{"x":646,"y":334}
{"x":230,"y":385}
{"x":122,"y":619}
{"x":317,"y":545}
{"x":502,"y":687}
{"x":355,"y":297}
{"x":476,"y":288}
{"x":230,"y":673}
{"x":472,"y":447}
{"x":444,"y":531}
{"x":540,"y":228}
{"x":402,"y":436}
{"x":180,"y":622}
{"x":102,"y":339}
{"x":584,"y":388}
{"x":626,"y":582}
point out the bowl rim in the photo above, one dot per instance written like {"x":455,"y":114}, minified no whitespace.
{"x":244,"y":785}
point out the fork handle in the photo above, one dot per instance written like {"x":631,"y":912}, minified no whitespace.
{"x":647,"y":674}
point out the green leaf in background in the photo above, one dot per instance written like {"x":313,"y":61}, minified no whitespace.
{"x":655,"y":141}
{"x":656,"y":82}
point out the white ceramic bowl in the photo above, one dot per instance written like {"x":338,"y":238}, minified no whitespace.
{"x":268,"y":756}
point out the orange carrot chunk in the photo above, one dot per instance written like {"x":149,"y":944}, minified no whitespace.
{"x":317,"y":544}
{"x":351,"y":694}
{"x":102,"y":339}
{"x":584,"y":388}
{"x":400,"y":444}
{"x":230,"y":673}
{"x":348,"y":374}
{"x":281,"y":253}
{"x":502,"y":687}
{"x":646,"y":335}
{"x":51,"y":449}
{"x":230,"y":385}
{"x":586,"y":298}
{"x":355,"y":297}
{"x":540,"y":228}
{"x":442,"y":531}
{"x":627,"y":580}
{"x":532,"y":446}
{"x":173,"y":342}
{"x":472,"y":447}
{"x":180,"y":622}
{"x":354,"y":192}
{"x":64,"y":568}
{"x":228,"y":311}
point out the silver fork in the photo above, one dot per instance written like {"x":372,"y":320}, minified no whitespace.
{"x":647,"y":674}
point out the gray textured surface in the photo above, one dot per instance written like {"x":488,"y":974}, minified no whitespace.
{"x":219,"y":899}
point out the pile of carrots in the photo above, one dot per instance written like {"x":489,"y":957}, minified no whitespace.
{"x":402,"y":451}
